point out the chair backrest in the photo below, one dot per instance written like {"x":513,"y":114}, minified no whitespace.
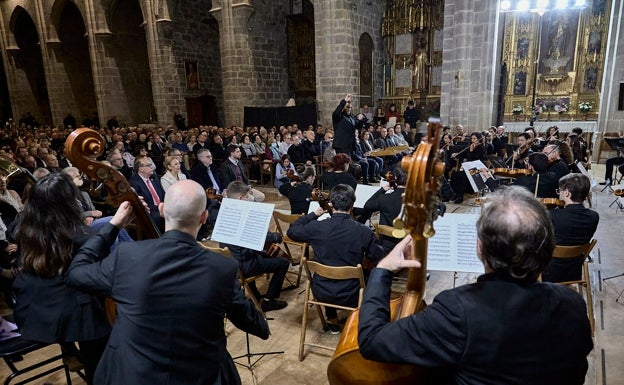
{"x":219,"y":250}
{"x":574,"y":251}
{"x":335,"y":272}
{"x":282,"y":219}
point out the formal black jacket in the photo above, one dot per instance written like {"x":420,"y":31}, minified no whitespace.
{"x":559,"y":168}
{"x":172,"y":296}
{"x":345,"y":127}
{"x":331,"y":179}
{"x":548,"y":184}
{"x":337,"y":241}
{"x":141,"y":189}
{"x":298,"y":195}
{"x":494,"y":332}
{"x":228,"y":175}
{"x":388,"y":203}
{"x":411,"y":115}
{"x":574,"y":225}
{"x":199,"y":173}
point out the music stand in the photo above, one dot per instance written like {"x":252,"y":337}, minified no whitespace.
{"x":615,"y":276}
{"x":249,"y":365}
{"x":616,"y":144}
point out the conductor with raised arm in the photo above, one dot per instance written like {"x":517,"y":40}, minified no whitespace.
{"x":172,"y":296}
{"x":345,"y":126}
{"x":507,"y":328}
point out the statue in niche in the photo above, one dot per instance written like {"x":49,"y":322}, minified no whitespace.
{"x":594,"y":44}
{"x":420,"y":64}
{"x":388,"y":65}
{"x":591,"y":78}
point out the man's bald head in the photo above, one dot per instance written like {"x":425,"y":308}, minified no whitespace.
{"x":184,"y":207}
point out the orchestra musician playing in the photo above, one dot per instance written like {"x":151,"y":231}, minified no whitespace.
{"x":163,"y":287}
{"x":299,"y":191}
{"x":337,"y":241}
{"x":541,"y":183}
{"x":518,"y":158}
{"x":459,"y":180}
{"x":555,"y":164}
{"x":507,"y":328}
{"x":574,"y":225}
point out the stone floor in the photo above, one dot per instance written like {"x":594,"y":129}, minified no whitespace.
{"x":284,"y":368}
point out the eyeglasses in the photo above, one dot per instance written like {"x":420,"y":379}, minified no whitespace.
{"x":331,"y":137}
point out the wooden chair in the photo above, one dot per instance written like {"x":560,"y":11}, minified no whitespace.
{"x":267,"y":168}
{"x":331,"y":272}
{"x":282,"y":222}
{"x":244,"y":281}
{"x":584,"y":283}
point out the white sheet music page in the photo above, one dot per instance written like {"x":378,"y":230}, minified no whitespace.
{"x":363,"y":193}
{"x":454,"y":246}
{"x":243,"y":223}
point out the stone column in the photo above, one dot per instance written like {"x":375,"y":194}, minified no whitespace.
{"x":337,"y":64}
{"x":470,"y":62}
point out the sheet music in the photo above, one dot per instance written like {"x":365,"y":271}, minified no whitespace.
{"x":363,"y":193}
{"x":477,"y":181}
{"x":243,"y":223}
{"x":584,"y":171}
{"x":454,"y":246}
{"x":315,"y":205}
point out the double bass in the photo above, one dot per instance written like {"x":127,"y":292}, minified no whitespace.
{"x":420,"y":201}
{"x":82,"y":147}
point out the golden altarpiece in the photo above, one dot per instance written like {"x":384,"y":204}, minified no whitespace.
{"x":554,"y":60}
{"x":412,"y":36}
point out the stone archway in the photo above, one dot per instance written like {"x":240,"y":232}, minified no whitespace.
{"x":129,"y":51}
{"x":32,"y":89}
{"x":72,"y":54}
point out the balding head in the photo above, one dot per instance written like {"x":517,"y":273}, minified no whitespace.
{"x":184,"y":207}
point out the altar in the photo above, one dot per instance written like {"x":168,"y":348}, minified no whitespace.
{"x":542,"y":126}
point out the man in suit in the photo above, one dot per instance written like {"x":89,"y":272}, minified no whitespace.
{"x":116,"y":160}
{"x":574,"y":225}
{"x":345,"y":126}
{"x":146,"y":185}
{"x":205,"y":173}
{"x":337,"y":241}
{"x":233,"y":170}
{"x":171,"y":296}
{"x":488,"y":332}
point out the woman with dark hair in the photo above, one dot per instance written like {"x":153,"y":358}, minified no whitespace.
{"x":339,"y":174}
{"x":459,"y":180}
{"x":281,"y":171}
{"x":49,"y":233}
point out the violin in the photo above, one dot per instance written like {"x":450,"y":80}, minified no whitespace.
{"x":420,"y":202}
{"x":551,"y":203}
{"x":293,"y":177}
{"x":323,"y":200}
{"x":511,"y":172}
{"x":391,"y":180}
{"x":211,"y":194}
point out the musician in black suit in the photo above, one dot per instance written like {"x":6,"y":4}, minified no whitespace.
{"x":556,"y":164}
{"x":337,"y":241}
{"x":488,"y":332}
{"x":171,"y":295}
{"x":47,"y":310}
{"x":545,"y":181}
{"x":153,"y":195}
{"x":574,"y":225}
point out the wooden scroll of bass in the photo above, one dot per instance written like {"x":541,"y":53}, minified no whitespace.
{"x":420,"y":201}
{"x":82,"y":147}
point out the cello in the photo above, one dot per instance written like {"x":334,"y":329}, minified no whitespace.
{"x":421,"y":198}
{"x":82,"y":147}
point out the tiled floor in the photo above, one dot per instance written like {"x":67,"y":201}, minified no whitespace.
{"x":277,"y":369}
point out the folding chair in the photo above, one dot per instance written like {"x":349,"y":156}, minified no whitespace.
{"x":244,"y":281}
{"x":584,"y":283}
{"x":12,"y":351}
{"x":331,"y":272}
{"x":281,"y":222}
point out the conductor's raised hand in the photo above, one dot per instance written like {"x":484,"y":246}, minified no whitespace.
{"x":398,"y":258}
{"x":123,"y":216}
{"x":348,"y":98}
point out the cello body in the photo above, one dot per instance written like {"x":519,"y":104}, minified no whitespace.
{"x":420,"y":201}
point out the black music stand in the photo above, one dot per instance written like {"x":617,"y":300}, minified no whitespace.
{"x":249,"y":365}
{"x":616,"y":144}
{"x":615,"y":276}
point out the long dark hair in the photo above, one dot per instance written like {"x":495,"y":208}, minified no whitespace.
{"x":49,"y":223}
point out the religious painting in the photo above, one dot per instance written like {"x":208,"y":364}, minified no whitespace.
{"x":591,"y":78}
{"x":192,"y":76}
{"x":558,"y":41}
{"x":522,"y":48}
{"x":598,"y":7}
{"x":365,"y":46}
{"x":594,"y":43}
{"x":519,"y":87}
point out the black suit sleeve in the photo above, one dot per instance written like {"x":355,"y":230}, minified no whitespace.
{"x":244,"y":315}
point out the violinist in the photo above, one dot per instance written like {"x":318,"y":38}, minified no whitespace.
{"x":298,"y":191}
{"x":445,"y":147}
{"x":553,"y":133}
{"x":388,"y":203}
{"x":556,"y":164}
{"x":353,"y":240}
{"x":541,"y":183}
{"x":495,"y":145}
{"x":518,"y":158}
{"x":458,"y":332}
{"x":459,"y":180}
{"x":574,"y":225}
{"x":338,"y":174}
{"x":534,"y":141}
{"x":460,"y":135}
